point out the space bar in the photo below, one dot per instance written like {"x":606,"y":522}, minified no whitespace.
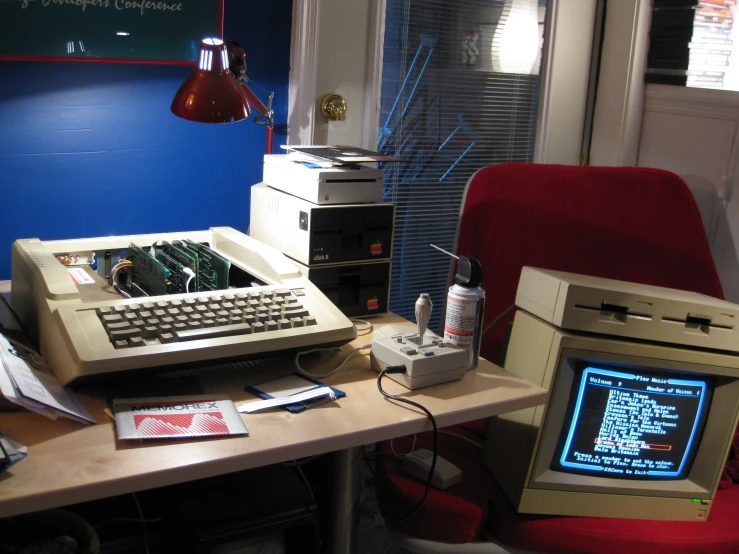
{"x":213,"y":332}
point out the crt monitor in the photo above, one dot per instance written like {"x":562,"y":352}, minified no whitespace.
{"x":632,"y":423}
{"x":632,"y":428}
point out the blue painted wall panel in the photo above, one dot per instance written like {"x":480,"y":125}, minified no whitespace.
{"x":93,"y":149}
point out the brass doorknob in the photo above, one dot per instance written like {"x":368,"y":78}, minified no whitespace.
{"x":333,"y":107}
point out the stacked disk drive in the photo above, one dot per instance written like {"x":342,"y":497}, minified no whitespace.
{"x":332,"y":222}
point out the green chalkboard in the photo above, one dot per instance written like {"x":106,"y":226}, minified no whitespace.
{"x":139,"y":31}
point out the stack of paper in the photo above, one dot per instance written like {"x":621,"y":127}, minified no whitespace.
{"x":27,"y":381}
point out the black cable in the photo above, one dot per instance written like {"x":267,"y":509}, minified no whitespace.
{"x":402,"y":369}
{"x":498,"y":319}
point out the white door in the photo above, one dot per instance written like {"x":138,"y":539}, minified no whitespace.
{"x":336,"y":48}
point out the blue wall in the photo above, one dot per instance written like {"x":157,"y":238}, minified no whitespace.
{"x":91,"y":149}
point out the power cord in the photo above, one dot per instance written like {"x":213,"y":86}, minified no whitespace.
{"x":402,"y":369}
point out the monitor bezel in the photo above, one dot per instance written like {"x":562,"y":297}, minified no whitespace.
{"x":708,"y":462}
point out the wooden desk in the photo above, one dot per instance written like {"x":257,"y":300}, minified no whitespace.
{"x":70,"y":463}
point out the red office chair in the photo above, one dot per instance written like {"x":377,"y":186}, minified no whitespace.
{"x":632,"y":224}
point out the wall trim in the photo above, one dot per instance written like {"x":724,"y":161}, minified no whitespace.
{"x":303,"y":68}
{"x":715,"y":104}
{"x":373,"y":74}
{"x":620,"y":97}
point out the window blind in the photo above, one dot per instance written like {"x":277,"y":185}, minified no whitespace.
{"x":449,"y":108}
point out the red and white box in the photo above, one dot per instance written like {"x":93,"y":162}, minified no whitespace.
{"x":174,"y":417}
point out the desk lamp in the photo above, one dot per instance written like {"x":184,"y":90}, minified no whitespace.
{"x":217,"y":91}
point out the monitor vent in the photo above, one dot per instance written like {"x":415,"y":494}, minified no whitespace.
{"x":269,"y":202}
{"x":30,"y":257}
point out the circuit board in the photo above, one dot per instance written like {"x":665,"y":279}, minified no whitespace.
{"x":187,"y":258}
{"x":147,"y":273}
{"x":213,"y":268}
{"x":177,"y":276}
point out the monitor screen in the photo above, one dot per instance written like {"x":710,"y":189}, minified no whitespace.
{"x":628,"y":423}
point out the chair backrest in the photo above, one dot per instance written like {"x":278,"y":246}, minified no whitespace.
{"x":632,"y":224}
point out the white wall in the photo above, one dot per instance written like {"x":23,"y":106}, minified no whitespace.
{"x":694,"y":133}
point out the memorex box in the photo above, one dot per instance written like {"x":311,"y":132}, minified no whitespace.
{"x":321,"y":183}
{"x":606,"y":306}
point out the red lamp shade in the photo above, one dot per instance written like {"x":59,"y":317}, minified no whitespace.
{"x":211,"y":94}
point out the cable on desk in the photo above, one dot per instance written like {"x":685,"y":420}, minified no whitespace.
{"x":334,"y":348}
{"x":402,"y":369}
{"x":498,"y":319}
{"x":361,"y":331}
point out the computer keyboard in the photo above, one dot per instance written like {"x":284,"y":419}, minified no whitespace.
{"x":203,"y":317}
{"x":85,"y":329}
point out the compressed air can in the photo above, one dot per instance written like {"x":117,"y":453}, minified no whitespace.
{"x":465,"y":307}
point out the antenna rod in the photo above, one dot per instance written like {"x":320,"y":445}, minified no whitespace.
{"x":445,"y":252}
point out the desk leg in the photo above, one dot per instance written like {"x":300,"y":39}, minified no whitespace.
{"x":345,"y":479}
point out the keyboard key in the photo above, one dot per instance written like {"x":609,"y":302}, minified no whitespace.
{"x":117,"y":326}
{"x":113,"y":318}
{"x":150,"y":332}
{"x":166,"y":321}
{"x":209,"y":323}
{"x":148,"y":306}
{"x":296,"y":321}
{"x":138,"y":324}
{"x":119,"y":309}
{"x":120,"y":344}
{"x":124,"y":334}
{"x":165,"y":338}
{"x":195,"y":325}
{"x":160,"y":313}
{"x":145,"y":314}
{"x":176,"y":302}
{"x":152,"y":321}
{"x":227,"y":305}
{"x":272,"y":326}
{"x":228,"y":297}
{"x":310,"y":320}
{"x":222,"y":321}
{"x":209,"y":315}
{"x":282,"y":292}
{"x":283,"y":323}
{"x":134,"y":308}
{"x":257,"y":327}
{"x":103,"y":311}
{"x":162,"y":304}
{"x":136,"y":341}
{"x":189,"y":301}
{"x":213,"y":332}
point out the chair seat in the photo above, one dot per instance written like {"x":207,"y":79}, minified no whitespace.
{"x":577,"y":535}
{"x":457,"y":514}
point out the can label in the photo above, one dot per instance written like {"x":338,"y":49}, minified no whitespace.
{"x":461,"y":315}
{"x":464,"y":322}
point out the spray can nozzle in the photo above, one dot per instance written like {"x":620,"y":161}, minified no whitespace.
{"x":469,"y":270}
